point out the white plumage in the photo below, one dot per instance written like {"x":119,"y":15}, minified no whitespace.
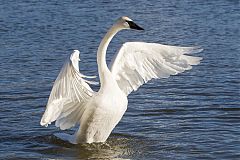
{"x":69,"y":95}
{"x":73,"y":102}
{"x":137,"y":62}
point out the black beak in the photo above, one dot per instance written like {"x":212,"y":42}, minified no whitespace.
{"x":134,"y":25}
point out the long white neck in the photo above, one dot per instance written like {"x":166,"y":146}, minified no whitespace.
{"x":103,"y":70}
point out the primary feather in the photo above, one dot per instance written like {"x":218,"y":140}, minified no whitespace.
{"x":69,"y":95}
{"x":138,"y":62}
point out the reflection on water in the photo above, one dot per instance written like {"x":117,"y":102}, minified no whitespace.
{"x":118,"y":146}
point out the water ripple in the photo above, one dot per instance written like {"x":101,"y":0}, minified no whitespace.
{"x":194,"y":115}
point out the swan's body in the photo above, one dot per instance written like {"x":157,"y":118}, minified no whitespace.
{"x":103,"y":114}
{"x":73,"y":102}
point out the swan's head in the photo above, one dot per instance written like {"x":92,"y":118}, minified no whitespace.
{"x":127,"y":23}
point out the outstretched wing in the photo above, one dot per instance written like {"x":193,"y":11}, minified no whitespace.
{"x":69,"y":95}
{"x":137,"y":62}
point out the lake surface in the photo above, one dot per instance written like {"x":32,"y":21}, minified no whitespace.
{"x":194,"y":115}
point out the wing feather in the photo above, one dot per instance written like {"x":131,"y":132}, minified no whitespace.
{"x":137,"y":62}
{"x":69,"y":95}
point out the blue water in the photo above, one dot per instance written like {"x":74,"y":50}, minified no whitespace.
{"x":195,"y":115}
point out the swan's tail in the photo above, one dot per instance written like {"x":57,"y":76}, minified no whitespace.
{"x":66,"y":137}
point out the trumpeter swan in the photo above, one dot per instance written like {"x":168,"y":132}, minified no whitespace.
{"x":73,"y":102}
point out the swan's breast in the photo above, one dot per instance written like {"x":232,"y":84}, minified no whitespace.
{"x":103,"y":114}
{"x":112,"y":99}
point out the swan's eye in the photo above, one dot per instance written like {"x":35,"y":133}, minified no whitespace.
{"x":126,"y":24}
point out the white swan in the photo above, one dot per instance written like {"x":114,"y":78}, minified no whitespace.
{"x":73,"y":102}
